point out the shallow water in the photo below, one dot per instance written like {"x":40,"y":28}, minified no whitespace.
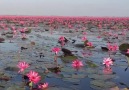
{"x":71,"y":79}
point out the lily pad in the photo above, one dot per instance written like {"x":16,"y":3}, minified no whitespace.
{"x":101,"y":77}
{"x":28,"y":31}
{"x":66,"y":69}
{"x":68,"y":59}
{"x":9,"y":35}
{"x":78,"y":76}
{"x":2,"y":40}
{"x":24,"y":38}
{"x":85,"y":42}
{"x":11,"y":68}
{"x":15,"y":88}
{"x":80,"y":45}
{"x":55,"y":69}
{"x":91,"y":64}
{"x":71,"y":80}
{"x":91,"y":70}
{"x":102,"y":84}
{"x":104,"y":48}
{"x":124,"y":47}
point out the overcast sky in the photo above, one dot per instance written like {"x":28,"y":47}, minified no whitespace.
{"x":65,"y":7}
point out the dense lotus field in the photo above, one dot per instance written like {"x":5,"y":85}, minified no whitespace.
{"x":64,"y":53}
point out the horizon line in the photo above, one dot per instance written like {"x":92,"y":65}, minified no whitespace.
{"x":64,"y":16}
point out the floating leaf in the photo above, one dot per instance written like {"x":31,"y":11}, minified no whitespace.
{"x":101,"y":77}
{"x":91,"y":64}
{"x":104,"y":48}
{"x":78,"y":76}
{"x":124,"y":47}
{"x":2,"y":86}
{"x":15,"y":88}
{"x":28,"y":31}
{"x":66,"y":69}
{"x":81,"y":45}
{"x":2,"y":40}
{"x":9,"y":35}
{"x":91,"y":70}
{"x":68,"y":59}
{"x":103,"y":84}
{"x":55,"y":69}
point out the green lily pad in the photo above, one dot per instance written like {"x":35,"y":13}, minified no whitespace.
{"x":24,"y":38}
{"x":2,"y":40}
{"x":77,"y":76}
{"x":80,"y":45}
{"x":91,"y":70}
{"x":28,"y":31}
{"x":102,"y":84}
{"x":101,"y":77}
{"x":85,"y":42}
{"x":71,"y":80}
{"x":9,"y":35}
{"x":15,"y":88}
{"x":124,"y":47}
{"x":91,"y":64}
{"x":68,"y":59}
{"x":55,"y":69}
{"x":66,"y":75}
{"x":66,"y":69}
{"x":2,"y":86}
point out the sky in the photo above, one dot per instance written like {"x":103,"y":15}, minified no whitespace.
{"x":118,"y":8}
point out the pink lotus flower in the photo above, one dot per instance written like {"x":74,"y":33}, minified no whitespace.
{"x":34,"y":77}
{"x":84,"y":38}
{"x":90,"y":44}
{"x":77,"y":63}
{"x":84,"y":33}
{"x":43,"y":86}
{"x":107,"y":62}
{"x":61,"y":38}
{"x":98,"y":36}
{"x":113,"y":47}
{"x":56,"y":49}
{"x":22,"y":65}
{"x":127,"y":51}
{"x":14,"y":31}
